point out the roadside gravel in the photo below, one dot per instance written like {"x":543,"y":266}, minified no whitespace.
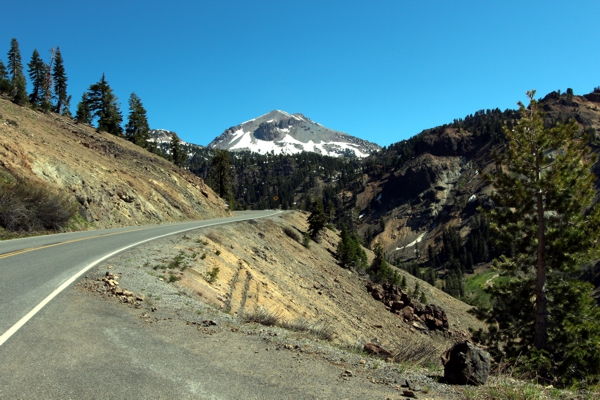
{"x":139,"y":272}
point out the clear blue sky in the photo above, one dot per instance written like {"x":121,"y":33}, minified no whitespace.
{"x":380,"y":70}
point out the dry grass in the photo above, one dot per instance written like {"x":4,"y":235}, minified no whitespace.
{"x":261,"y":316}
{"x":319,"y":329}
{"x":26,"y":206}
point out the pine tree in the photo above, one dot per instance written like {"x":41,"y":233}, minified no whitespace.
{"x":317,"y":219}
{"x":380,"y":270}
{"x":178,"y":156}
{"x":18,"y":91}
{"x":36,"y":76}
{"x":60,"y":85}
{"x":350,"y":253}
{"x":84,"y":114}
{"x":544,"y":191}
{"x":137,"y":129}
{"x":220,"y":172}
{"x":4,"y":80}
{"x":104,"y":105}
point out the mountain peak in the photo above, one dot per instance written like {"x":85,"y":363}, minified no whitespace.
{"x":283,"y":133}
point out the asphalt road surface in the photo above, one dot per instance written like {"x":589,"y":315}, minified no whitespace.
{"x":32,"y":269}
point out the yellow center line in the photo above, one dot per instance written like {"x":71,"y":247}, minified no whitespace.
{"x":29,"y":249}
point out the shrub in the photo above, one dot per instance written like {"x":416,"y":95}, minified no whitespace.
{"x":291,"y":232}
{"x":261,"y":316}
{"x":306,"y":240}
{"x":29,"y":207}
{"x":212,"y":275}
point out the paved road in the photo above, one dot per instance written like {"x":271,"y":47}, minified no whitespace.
{"x":32,"y":269}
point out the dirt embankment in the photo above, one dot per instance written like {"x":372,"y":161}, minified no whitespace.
{"x":254,"y":266}
{"x":113,"y":182}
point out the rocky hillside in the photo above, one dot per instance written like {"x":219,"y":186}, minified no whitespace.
{"x":418,"y":187}
{"x":259,"y":270}
{"x":112,"y":181}
{"x":283,"y":133}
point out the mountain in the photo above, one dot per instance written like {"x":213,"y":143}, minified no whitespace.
{"x":283,"y":133}
{"x":162,"y":138}
{"x":419,"y":197}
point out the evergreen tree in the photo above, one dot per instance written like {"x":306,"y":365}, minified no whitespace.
{"x":317,"y":219}
{"x":60,"y":85}
{"x":18,"y":91}
{"x":37,"y":74}
{"x":178,"y":155}
{"x":380,"y":270}
{"x":84,"y":114}
{"x":350,"y":253}
{"x":220,"y":171}
{"x":137,"y":129}
{"x":4,"y":80}
{"x":544,"y":195}
{"x":104,"y":105}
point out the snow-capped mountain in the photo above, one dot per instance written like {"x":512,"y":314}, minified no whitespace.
{"x":284,"y":133}
{"x":163,"y":136}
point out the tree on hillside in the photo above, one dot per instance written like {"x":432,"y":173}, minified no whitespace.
{"x":350,"y":253}
{"x":317,"y":219}
{"x":37,"y":74}
{"x":544,"y":190}
{"x":137,"y":129}
{"x":380,"y":270}
{"x":84,"y":114}
{"x":63,"y":100}
{"x":4,"y":80}
{"x":18,"y":91}
{"x":178,"y":155}
{"x":104,"y":105}
{"x":220,"y":172}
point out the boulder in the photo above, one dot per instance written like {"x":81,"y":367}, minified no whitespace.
{"x":376,"y":350}
{"x":465,"y":363}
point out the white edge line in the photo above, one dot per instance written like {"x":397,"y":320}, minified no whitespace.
{"x":13,"y":329}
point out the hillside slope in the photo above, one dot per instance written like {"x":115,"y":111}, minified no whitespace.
{"x":435,"y":180}
{"x":256,"y":267}
{"x":112,"y":181}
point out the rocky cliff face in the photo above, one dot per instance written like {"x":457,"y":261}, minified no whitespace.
{"x":113,"y":182}
{"x":441,"y":184}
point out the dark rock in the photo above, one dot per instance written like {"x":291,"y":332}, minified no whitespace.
{"x":376,"y":350}
{"x":465,"y":363}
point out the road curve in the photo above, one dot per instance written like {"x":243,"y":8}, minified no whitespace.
{"x":34,"y":270}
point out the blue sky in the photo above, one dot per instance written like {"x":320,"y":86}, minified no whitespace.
{"x":380,"y":70}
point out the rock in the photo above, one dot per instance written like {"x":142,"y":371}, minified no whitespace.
{"x":139,"y":297}
{"x":465,"y":363}
{"x":409,"y":393}
{"x":127,"y":293}
{"x":377,"y":350}
{"x":408,"y":313}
